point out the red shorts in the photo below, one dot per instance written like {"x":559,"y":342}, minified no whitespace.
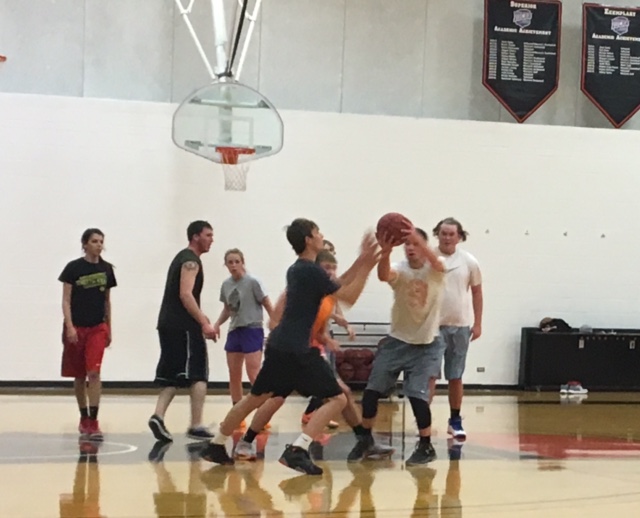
{"x":86,"y":354}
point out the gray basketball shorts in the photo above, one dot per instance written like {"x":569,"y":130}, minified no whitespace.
{"x":417,"y":362}
{"x":456,"y":346}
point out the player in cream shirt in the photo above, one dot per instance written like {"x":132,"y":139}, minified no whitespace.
{"x":460,"y":314}
{"x":411,"y":346}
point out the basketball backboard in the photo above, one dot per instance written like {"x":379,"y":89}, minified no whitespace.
{"x":225,"y":114}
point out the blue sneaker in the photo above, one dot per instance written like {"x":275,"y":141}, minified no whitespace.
{"x":455,"y":428}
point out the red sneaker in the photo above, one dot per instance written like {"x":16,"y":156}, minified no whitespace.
{"x":84,"y":427}
{"x":95,"y":434}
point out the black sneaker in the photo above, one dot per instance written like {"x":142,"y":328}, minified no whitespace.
{"x":156,"y":455}
{"x":216,"y":453}
{"x":423,"y":454}
{"x":159,"y":430}
{"x":298,"y":459}
{"x":366,"y":448}
{"x":199,"y":434}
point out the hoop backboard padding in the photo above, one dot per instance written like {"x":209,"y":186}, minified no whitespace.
{"x":235,"y":166}
{"x":227,"y":114}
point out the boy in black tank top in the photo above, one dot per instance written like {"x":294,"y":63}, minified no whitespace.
{"x":290,"y":363}
{"x":182,"y":329}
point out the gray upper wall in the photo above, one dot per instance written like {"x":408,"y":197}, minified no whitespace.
{"x":416,"y":58}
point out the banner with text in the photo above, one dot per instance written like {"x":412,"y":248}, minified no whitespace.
{"x":521,"y":53}
{"x":611,"y":60}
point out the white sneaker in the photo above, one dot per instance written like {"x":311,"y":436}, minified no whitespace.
{"x":577,"y":389}
{"x":244,"y":451}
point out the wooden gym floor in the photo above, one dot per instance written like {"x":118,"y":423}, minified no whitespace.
{"x":527,"y":455}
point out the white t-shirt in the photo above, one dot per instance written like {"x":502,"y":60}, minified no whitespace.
{"x":415,"y":315}
{"x":463,"y":271}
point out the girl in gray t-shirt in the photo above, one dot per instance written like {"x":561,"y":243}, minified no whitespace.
{"x":244,"y":299}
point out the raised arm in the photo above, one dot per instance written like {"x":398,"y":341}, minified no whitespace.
{"x":426,"y":251}
{"x":368,"y":258}
{"x":385,"y":272}
{"x":433,"y":259}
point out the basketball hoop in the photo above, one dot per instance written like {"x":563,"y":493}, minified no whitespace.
{"x":235,"y":166}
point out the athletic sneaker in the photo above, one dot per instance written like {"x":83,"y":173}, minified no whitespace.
{"x":244,"y":451}
{"x":366,"y":448}
{"x":576,"y":389}
{"x":83,"y":427}
{"x":423,"y":454}
{"x":216,"y":453}
{"x":298,"y":459}
{"x":455,"y":428}
{"x":159,"y":430}
{"x":95,"y":434}
{"x":199,"y":433}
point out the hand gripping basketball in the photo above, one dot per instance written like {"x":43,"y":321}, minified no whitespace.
{"x":392,"y":229}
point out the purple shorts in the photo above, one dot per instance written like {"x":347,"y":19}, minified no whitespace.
{"x":245,"y":340}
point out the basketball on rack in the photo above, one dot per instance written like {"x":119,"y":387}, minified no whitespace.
{"x":346,"y":371}
{"x":362,"y":373}
{"x":391,"y":225}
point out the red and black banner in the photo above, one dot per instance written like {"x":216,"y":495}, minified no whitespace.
{"x":521,"y":53}
{"x":611,"y":60}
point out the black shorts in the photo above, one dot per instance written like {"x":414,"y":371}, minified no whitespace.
{"x":183,"y":358}
{"x":307,"y":373}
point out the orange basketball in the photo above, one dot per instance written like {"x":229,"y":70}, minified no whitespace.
{"x":362,"y":373}
{"x":346,"y":371}
{"x":391,"y":226}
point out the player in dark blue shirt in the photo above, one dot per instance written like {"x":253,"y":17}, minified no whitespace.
{"x":290,"y":363}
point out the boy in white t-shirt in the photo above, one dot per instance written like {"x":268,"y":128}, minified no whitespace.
{"x":460,"y":314}
{"x":411,"y":346}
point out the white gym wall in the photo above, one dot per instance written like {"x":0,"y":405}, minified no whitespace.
{"x":384,"y":110}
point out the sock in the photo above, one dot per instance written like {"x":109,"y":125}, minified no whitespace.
{"x":84,"y":412}
{"x":250,"y":436}
{"x":425,"y":440}
{"x":455,"y":412}
{"x":361,"y":430}
{"x":220,"y":439}
{"x":303,"y":441}
{"x":93,"y":412}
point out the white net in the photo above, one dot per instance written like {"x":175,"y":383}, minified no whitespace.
{"x":235,"y":164}
{"x":235,"y":176}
